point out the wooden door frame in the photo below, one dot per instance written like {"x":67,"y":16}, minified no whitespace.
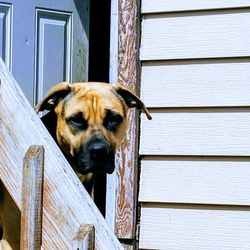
{"x":121,"y":201}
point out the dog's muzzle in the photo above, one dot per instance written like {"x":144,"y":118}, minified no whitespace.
{"x":97,"y":155}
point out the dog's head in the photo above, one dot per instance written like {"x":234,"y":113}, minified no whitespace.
{"x":91,"y":121}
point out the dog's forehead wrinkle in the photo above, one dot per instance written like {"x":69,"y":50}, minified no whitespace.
{"x":99,"y":94}
{"x":85,"y":87}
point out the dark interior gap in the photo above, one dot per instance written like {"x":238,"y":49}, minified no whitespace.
{"x":99,"y":42}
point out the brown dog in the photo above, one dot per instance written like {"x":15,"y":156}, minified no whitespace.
{"x":88,"y":121}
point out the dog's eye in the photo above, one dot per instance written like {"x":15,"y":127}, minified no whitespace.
{"x":112,"y":120}
{"x":77,"y":121}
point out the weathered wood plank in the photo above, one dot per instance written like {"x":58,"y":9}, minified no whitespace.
{"x":159,"y":6}
{"x":203,"y":83}
{"x":67,"y":205}
{"x":127,"y":158}
{"x":194,"y":227}
{"x":85,"y":238}
{"x":214,"y":132}
{"x":198,"y":180}
{"x":184,"y":36}
{"x":32,"y":199}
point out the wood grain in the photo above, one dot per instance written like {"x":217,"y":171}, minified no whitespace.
{"x":196,"y":83}
{"x":67,"y":204}
{"x":85,"y":238}
{"x":199,"y":180}
{"x":194,"y":227}
{"x":159,"y":6}
{"x":127,"y":158}
{"x":32,"y":199}
{"x":214,"y":132}
{"x":203,"y":35}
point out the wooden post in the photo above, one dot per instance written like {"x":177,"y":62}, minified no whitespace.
{"x":127,"y":159}
{"x":85,"y":238}
{"x":121,"y":201}
{"x":32,"y":199}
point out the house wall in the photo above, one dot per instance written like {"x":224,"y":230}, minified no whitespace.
{"x":195,"y":168}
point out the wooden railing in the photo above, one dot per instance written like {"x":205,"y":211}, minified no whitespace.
{"x":68,"y":213}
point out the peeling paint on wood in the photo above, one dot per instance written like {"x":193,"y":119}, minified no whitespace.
{"x":127,"y":158}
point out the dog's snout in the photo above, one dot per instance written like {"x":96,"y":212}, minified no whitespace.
{"x":97,"y":155}
{"x":99,"y":151}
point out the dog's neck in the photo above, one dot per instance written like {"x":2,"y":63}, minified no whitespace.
{"x":87,"y":180}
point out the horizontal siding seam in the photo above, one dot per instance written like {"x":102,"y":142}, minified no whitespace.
{"x":206,"y":11}
{"x":187,"y":61}
{"x":197,"y":206}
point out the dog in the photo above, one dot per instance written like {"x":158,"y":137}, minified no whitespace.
{"x":88,"y":122}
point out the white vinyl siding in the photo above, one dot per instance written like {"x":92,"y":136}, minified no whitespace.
{"x":197,"y":132}
{"x":189,"y":228}
{"x":158,"y":6}
{"x":202,"y":83}
{"x":196,"y":180}
{"x":196,"y":36}
{"x":195,"y":169}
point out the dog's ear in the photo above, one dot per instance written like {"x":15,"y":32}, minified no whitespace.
{"x":131,"y":100}
{"x":51,"y":100}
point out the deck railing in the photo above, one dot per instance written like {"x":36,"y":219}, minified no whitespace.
{"x":68,"y":213}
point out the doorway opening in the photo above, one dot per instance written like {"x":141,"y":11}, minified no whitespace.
{"x":99,"y":47}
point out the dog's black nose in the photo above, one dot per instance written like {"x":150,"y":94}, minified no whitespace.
{"x":97,"y":155}
{"x":99,"y":152}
